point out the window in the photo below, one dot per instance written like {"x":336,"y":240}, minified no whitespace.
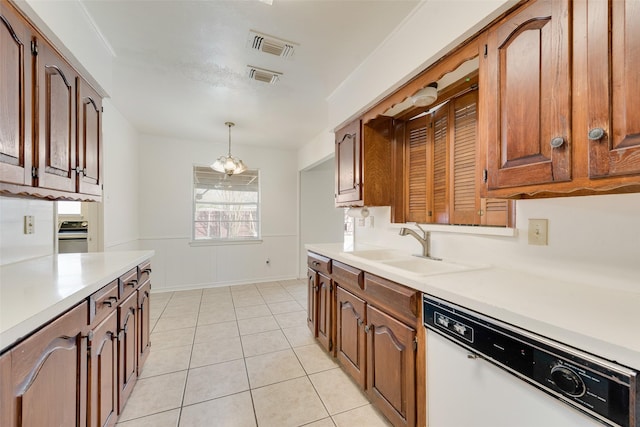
{"x":225,"y":208}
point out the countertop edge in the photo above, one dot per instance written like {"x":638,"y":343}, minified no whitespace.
{"x":596,"y":345}
{"x":31,"y":323}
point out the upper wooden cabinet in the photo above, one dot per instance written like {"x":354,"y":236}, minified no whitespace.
{"x":16,"y":106}
{"x":613,"y":87}
{"x":559,"y":84}
{"x":50,"y":121}
{"x":363,"y":164}
{"x":89,"y":151}
{"x":526,"y":71}
{"x":56,"y":129}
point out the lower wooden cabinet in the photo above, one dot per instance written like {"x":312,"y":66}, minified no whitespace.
{"x":312,"y":307}
{"x":350,"y":334}
{"x":127,"y":348}
{"x":102,"y":408}
{"x":373,"y":323}
{"x":391,"y":367}
{"x":79,"y":369}
{"x":49,"y":374}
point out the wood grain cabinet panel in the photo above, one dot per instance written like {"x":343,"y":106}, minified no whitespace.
{"x":7,"y":403}
{"x":348,"y":165}
{"x":613,"y":58}
{"x":89,"y":140}
{"x":529,"y":121}
{"x":325,"y":310}
{"x":49,"y":373}
{"x":144,"y":324}
{"x":350,"y":335}
{"x":102,"y":400}
{"x":312,"y":306}
{"x":127,"y":348}
{"x":56,"y":130}
{"x":16,"y":99}
{"x":391,"y":367}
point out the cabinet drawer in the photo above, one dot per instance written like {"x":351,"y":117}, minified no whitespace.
{"x":144,"y":271}
{"x":397,"y":300}
{"x":103,"y":302}
{"x":128,"y":283}
{"x":348,"y":277}
{"x":319,"y":263}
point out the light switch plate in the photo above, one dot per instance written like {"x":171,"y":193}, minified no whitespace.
{"x":538,"y":231}
{"x":29,"y":224}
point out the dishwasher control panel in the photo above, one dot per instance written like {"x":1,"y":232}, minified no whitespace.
{"x":601,"y":389}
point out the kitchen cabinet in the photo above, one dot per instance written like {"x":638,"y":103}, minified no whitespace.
{"x":127,"y":348}
{"x":364,"y":164}
{"x":613,"y":119}
{"x":7,"y":414}
{"x":103,"y":372}
{"x":528,"y":120}
{"x":16,"y":102}
{"x":350,"y":334}
{"x":320,"y":300}
{"x":49,"y":373}
{"x":376,"y":339}
{"x":144,"y":314}
{"x":50,"y":129}
{"x":89,"y":169}
{"x":56,"y":126}
{"x":391,"y":367}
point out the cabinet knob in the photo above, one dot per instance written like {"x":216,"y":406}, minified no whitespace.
{"x":360,"y":322}
{"x":557,"y":142}
{"x":367,"y":329}
{"x":595,"y":134}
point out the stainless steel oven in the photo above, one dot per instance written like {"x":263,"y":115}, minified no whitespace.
{"x":72,"y":237}
{"x":604,"y":391}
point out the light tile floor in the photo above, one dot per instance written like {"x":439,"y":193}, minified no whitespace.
{"x":241,"y":356}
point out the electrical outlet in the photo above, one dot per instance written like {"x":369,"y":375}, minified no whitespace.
{"x":29,"y":224}
{"x":538,"y":231}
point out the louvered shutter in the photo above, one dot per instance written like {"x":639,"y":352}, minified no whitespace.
{"x":464,"y":197}
{"x":496,"y":211}
{"x":416,"y":179}
{"x":439,"y":173}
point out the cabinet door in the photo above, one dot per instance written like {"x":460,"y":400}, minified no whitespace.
{"x":312,"y":307}
{"x":49,"y":374}
{"x":325,"y":297}
{"x":127,"y":348}
{"x":7,"y":414}
{"x":417,"y":203}
{"x":391,"y":367}
{"x":350,"y":335}
{"x":527,"y":72}
{"x":56,"y":136}
{"x":103,"y":379}
{"x":89,"y":140}
{"x":144,"y":327}
{"x":613,"y":52}
{"x":348,"y":165}
{"x":15,"y":103}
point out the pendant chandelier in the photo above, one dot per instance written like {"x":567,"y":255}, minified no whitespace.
{"x":229,"y":164}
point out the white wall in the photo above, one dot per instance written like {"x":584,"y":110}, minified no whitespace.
{"x":592,"y":240}
{"x":14,"y":244}
{"x":166,"y":167}
{"x":320,"y":221}
{"x":122,"y":160}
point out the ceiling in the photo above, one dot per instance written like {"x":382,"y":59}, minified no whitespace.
{"x":180,"y":67}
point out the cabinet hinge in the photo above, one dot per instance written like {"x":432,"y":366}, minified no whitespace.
{"x":415,"y":344}
{"x":486,"y":50}
{"x":474,"y":86}
{"x":34,"y":172}
{"x":485,"y":175}
{"x":331,"y":287}
{"x":102,"y":109}
{"x":330,"y":344}
{"x":34,"y":47}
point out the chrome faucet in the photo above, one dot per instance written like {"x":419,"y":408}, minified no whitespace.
{"x":425,"y":240}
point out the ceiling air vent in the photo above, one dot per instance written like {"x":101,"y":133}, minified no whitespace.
{"x":262,"y":75}
{"x":269,"y":44}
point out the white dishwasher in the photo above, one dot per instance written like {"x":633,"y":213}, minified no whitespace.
{"x":484,"y":373}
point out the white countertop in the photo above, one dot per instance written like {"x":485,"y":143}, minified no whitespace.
{"x":602,"y":321}
{"x":35,"y":291}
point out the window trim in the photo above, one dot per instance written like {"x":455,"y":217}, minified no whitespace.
{"x":216,"y":241}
